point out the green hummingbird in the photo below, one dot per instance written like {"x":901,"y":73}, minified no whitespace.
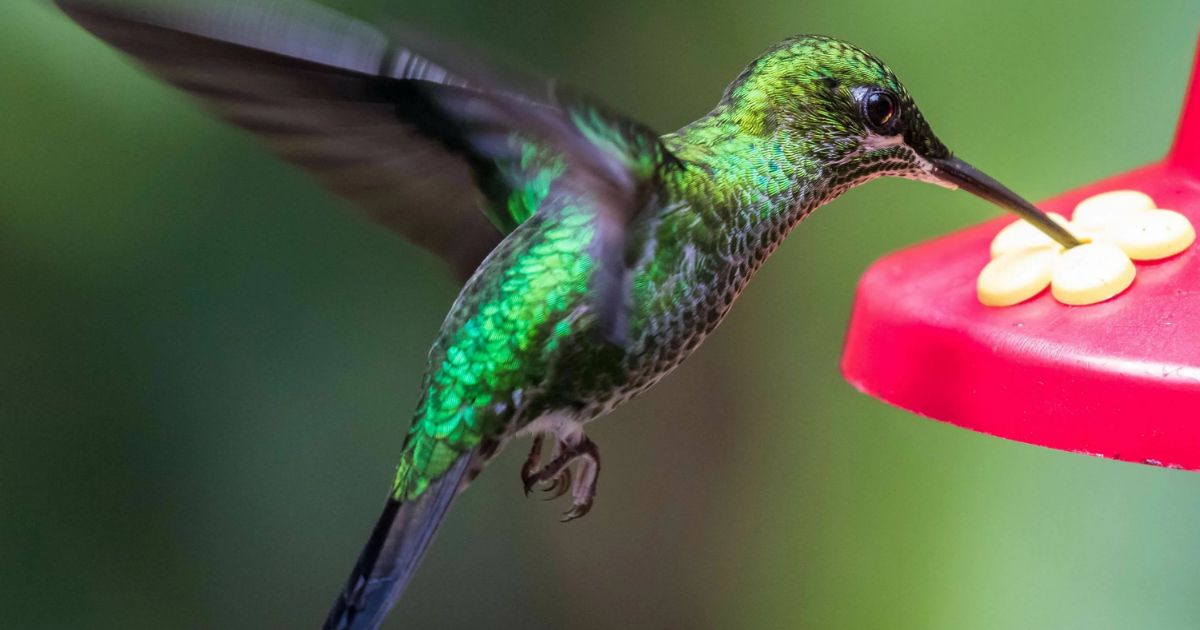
{"x":596,"y":253}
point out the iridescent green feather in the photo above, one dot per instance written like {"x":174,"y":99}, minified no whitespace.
{"x":506,"y":332}
{"x":726,"y":189}
{"x":504,"y":344}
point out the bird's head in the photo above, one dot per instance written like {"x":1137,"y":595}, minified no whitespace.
{"x":852,"y":114}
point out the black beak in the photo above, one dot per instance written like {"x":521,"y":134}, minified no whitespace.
{"x":958,"y":173}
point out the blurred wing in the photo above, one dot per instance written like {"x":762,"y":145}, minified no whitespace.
{"x":319,"y":89}
{"x":413,"y":144}
{"x":624,"y":174}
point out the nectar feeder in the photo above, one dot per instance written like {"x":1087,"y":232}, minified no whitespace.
{"x":1119,"y":379}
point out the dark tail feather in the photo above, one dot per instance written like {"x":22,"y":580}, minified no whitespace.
{"x":391,"y":556}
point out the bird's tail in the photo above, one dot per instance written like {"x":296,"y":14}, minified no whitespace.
{"x":399,"y":540}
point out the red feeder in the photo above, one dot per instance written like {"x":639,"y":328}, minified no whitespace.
{"x":1119,"y":379}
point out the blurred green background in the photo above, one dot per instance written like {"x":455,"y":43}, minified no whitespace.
{"x":207,"y":363}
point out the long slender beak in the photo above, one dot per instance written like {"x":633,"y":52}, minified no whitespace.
{"x":956,"y":172}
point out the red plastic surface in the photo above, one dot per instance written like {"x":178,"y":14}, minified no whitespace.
{"x":1120,"y":379}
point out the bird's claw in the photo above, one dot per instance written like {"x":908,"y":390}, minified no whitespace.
{"x":556,"y":477}
{"x":527,"y":484}
{"x":576,"y":511}
{"x":554,"y":483}
{"x":529,"y":471}
{"x":559,"y":485}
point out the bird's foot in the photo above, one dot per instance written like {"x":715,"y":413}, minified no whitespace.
{"x":555,"y":485}
{"x":556,"y":478}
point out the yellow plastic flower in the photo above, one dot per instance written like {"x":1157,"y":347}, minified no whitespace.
{"x":1117,"y":227}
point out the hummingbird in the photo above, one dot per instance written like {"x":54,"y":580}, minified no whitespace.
{"x":596,"y":254}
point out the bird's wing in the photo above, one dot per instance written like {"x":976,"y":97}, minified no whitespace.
{"x":404,"y":138}
{"x":621,"y":166}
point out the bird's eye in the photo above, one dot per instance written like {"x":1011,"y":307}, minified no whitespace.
{"x":881,"y":110}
